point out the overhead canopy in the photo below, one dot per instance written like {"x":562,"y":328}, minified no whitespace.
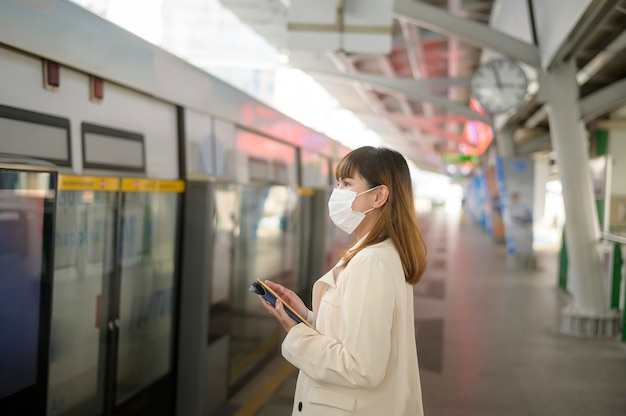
{"x":404,"y":66}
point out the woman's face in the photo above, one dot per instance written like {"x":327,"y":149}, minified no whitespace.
{"x":358,"y":184}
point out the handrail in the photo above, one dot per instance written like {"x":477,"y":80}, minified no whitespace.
{"x":613,"y":237}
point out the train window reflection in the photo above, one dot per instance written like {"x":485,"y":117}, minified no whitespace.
{"x":21,"y":241}
{"x":84,"y":242}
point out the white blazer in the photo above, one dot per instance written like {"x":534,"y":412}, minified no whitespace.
{"x":363,"y":360}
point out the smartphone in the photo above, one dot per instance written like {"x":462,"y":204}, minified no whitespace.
{"x":270,"y":296}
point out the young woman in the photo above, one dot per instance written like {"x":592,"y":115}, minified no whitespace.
{"x":361,"y":358}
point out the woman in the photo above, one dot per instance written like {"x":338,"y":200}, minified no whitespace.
{"x":361,"y":358}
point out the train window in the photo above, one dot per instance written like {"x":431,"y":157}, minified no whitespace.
{"x":268,"y":159}
{"x":13,"y":230}
{"x":26,"y":213}
{"x":19,"y":302}
{"x":37,"y":135}
{"x":108,"y":148}
{"x":257,"y":169}
{"x":315,"y":169}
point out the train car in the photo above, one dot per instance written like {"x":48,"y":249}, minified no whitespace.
{"x":172,"y":192}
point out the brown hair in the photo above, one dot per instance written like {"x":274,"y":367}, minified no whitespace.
{"x":398,"y":221}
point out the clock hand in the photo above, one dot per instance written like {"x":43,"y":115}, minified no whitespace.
{"x":497,"y":76}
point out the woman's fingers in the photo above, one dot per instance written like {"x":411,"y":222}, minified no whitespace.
{"x":278,"y":312}
{"x":285,"y":320}
{"x":268,"y":307}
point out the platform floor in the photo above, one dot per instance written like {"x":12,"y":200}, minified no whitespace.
{"x":487,"y":336}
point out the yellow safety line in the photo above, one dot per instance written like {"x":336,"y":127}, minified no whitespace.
{"x":255,"y":403}
{"x":237,"y":370}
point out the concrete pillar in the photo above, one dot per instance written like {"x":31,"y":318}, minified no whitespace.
{"x":581,"y":229}
{"x":505,"y":143}
{"x":542,"y":175}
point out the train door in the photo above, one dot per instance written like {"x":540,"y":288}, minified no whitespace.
{"x":211,"y":222}
{"x":312,"y":263}
{"x":87,"y":210}
{"x":112,"y":321}
{"x":27,"y":197}
{"x":142,"y":304}
{"x":264,"y":249}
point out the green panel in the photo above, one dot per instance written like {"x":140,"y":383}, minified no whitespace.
{"x":616,"y":281}
{"x":458,"y":158}
{"x":563,"y":264}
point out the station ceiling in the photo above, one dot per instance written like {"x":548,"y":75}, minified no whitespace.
{"x":417,"y":95}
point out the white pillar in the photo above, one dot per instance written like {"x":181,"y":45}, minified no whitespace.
{"x":505,"y":143}
{"x":581,"y":229}
{"x":542,"y":175}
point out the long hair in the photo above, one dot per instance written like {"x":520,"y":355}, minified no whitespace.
{"x":398,"y":220}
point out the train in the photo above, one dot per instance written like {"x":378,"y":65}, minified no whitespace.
{"x":139,"y":198}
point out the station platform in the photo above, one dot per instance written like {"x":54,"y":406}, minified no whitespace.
{"x":487,"y":337}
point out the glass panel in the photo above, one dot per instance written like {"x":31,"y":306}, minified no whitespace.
{"x":281,"y":157}
{"x":226,"y":220}
{"x":314,"y":169}
{"x":200,"y":143}
{"x":147,"y":279}
{"x":225,"y":150}
{"x":22,"y":197}
{"x":260,"y":253}
{"x":84,"y":244}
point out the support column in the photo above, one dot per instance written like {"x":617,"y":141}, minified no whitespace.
{"x":542,"y":175}
{"x":588,"y":314}
{"x":505,"y":143}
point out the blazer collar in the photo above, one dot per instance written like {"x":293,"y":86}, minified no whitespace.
{"x":330,"y":278}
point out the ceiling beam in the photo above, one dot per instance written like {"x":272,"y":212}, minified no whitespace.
{"x":593,"y":20}
{"x":537,"y":144}
{"x":429,"y":119}
{"x":425,"y":124}
{"x":414,"y":49}
{"x":454,"y":61}
{"x":607,"y":55}
{"x":345,"y":65}
{"x":422,"y":83}
{"x":603,"y":100}
{"x":411,"y":45}
{"x":479,"y":6}
{"x":438,"y":20}
{"x":612,"y":124}
{"x":615,"y":48}
{"x":591,"y":106}
{"x":413,"y":89}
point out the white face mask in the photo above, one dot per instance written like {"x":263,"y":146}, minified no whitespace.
{"x":340,"y":209}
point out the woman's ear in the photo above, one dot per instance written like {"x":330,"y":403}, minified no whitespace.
{"x":381,"y":195}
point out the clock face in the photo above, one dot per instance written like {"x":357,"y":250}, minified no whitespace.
{"x":499,"y":85}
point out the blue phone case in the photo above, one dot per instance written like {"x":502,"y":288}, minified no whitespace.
{"x":269,"y":297}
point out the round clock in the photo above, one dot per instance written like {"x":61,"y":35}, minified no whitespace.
{"x":499,"y":85}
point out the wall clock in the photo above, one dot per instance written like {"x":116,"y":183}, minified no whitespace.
{"x":499,"y":85}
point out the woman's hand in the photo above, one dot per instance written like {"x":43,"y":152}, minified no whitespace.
{"x":278,"y":311}
{"x":290,"y":297}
